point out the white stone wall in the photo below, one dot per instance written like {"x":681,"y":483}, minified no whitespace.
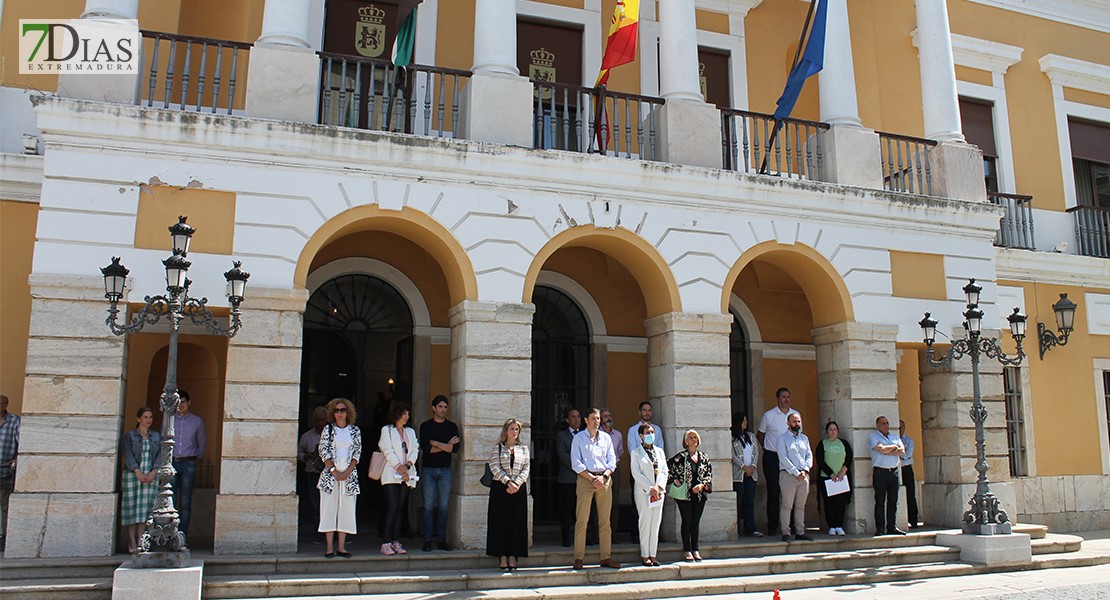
{"x":1064,"y":503}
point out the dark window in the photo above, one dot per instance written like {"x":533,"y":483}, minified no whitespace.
{"x":1015,"y":421}
{"x":739,"y":370}
{"x":547,"y":54}
{"x":1090,"y":150}
{"x":977,"y":118}
{"x":1106,"y":398}
{"x":716,"y":83}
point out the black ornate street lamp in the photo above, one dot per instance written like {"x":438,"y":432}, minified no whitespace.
{"x":1065,"y":322}
{"x":985,"y":517}
{"x":163,"y":544}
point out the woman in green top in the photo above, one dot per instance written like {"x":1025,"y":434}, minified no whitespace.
{"x":834,"y":461}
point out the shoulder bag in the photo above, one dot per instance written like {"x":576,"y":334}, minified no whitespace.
{"x":487,"y":475}
{"x":318,"y":463}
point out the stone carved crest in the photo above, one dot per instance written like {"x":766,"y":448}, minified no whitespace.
{"x":370,"y":31}
{"x":704,"y":82}
{"x":542,"y":69}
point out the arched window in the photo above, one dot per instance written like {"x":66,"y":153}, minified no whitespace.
{"x":739,"y":367}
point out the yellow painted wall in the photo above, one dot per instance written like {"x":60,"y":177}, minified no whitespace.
{"x":909,"y":404}
{"x":439,"y":379}
{"x":1085,"y":97}
{"x":973,"y":75}
{"x":612,"y":287}
{"x":17,"y":243}
{"x":801,"y":377}
{"x":14,"y":10}
{"x":211,"y":212}
{"x":712,"y":21}
{"x":405,"y":256}
{"x":1065,"y":418}
{"x":627,"y":387}
{"x":917,"y":275}
{"x":455,"y":34}
{"x":772,"y":31}
{"x":567,"y":3}
{"x":777,"y":302}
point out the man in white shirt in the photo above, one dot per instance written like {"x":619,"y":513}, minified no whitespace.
{"x":886,"y":458}
{"x":593,"y":459}
{"x":908,"y":479}
{"x":795,"y":462}
{"x":771,"y":428}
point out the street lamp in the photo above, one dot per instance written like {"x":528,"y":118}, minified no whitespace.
{"x":162,"y":544}
{"x":985,"y":517}
{"x":1065,"y":322}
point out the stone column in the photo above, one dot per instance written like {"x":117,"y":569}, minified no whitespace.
{"x":857,"y":381}
{"x":491,"y":380}
{"x":256,"y":508}
{"x":119,"y":88}
{"x":689,"y":128}
{"x":838,"y":77}
{"x":284,"y":71}
{"x":65,"y":502}
{"x":496,"y":104}
{"x":948,"y":438}
{"x":688,"y":384}
{"x":939,"y":99}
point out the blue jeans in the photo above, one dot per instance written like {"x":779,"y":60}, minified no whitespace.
{"x":745,"y":506}
{"x":436,"y":483}
{"x":183,"y":483}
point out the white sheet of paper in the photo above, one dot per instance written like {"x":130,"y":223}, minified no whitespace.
{"x":654,"y":503}
{"x":832,"y":488}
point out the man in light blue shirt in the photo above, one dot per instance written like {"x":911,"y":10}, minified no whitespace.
{"x":795,"y":462}
{"x":886,"y":459}
{"x":593,"y":459}
{"x":908,"y":478}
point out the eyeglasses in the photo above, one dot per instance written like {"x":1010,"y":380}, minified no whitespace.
{"x":341,"y":409}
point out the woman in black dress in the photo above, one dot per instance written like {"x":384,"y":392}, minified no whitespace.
{"x":507,"y":521}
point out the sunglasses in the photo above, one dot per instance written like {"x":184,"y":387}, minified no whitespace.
{"x":341,"y":409}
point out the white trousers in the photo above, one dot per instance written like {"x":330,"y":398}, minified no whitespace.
{"x":650,"y":518}
{"x":337,"y":512}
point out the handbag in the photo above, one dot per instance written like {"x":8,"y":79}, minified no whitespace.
{"x":678,"y":492}
{"x":487,"y":477}
{"x":377,"y":465}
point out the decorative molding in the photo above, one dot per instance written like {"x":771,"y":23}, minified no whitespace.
{"x":1051,"y":268}
{"x":1100,"y":365}
{"x":1090,"y":14}
{"x":20,"y":177}
{"x":751,"y":325}
{"x":1097,"y":307}
{"x":619,"y":343}
{"x":1076,"y":74}
{"x":984,"y":55}
{"x":786,"y":351}
{"x":730,"y":7}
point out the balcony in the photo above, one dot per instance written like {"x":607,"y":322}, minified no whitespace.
{"x":905,"y":161}
{"x":746,"y":145}
{"x":1092,"y":230}
{"x":1016,"y":227}
{"x":594,"y":121}
{"x":191,"y":73}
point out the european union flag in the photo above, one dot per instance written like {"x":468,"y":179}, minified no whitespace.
{"x":813,"y":60}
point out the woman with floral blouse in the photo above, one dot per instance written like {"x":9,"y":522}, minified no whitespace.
{"x":691,"y":476}
{"x":340,"y":448}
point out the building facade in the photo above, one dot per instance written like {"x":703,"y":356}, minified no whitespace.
{"x":463,"y":229}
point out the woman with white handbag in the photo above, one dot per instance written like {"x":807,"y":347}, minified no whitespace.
{"x":649,"y":472}
{"x":400,"y":448}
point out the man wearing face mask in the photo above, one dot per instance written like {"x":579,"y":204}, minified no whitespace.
{"x":795,"y":462}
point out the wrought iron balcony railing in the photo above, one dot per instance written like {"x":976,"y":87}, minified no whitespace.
{"x":906,"y":163}
{"x":1016,"y":228}
{"x":190,"y":73}
{"x":1092,"y":230}
{"x":798,"y":151}
{"x":594,"y":120}
{"x":367,"y":93}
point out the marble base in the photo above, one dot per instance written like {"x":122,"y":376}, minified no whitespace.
{"x":497,"y":109}
{"x":184,"y":583}
{"x":990,"y":550}
{"x":852,"y":157}
{"x":284,"y":83}
{"x":689,"y":134}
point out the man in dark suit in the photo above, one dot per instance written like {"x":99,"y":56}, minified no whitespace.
{"x":567,"y":478}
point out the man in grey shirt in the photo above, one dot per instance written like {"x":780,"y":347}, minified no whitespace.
{"x":886,"y":459}
{"x":189,"y":440}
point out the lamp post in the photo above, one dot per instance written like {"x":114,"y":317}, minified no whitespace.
{"x":162,"y":544}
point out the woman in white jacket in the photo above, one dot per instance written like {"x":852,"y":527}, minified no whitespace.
{"x":400,"y":447}
{"x":649,"y":474}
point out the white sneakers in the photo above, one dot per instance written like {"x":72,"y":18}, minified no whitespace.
{"x":387,"y":549}
{"x":836,"y":531}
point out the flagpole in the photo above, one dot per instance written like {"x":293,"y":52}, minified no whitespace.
{"x":793,"y":65}
{"x":599,"y":112}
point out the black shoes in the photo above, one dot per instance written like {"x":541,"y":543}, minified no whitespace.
{"x":803,"y":537}
{"x":446,"y":546}
{"x":896,"y":531}
{"x":786,"y":537}
{"x":427,"y":546}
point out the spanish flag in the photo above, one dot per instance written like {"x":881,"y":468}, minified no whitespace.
{"x":621,"y":47}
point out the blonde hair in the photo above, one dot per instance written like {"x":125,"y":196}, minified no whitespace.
{"x":351,"y":414}
{"x":505,"y":430}
{"x":696,"y":435}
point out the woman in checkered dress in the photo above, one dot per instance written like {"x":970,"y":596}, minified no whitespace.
{"x":142,"y":449}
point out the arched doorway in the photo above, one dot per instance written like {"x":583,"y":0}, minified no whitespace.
{"x":739,"y":369}
{"x":358,"y":344}
{"x":561,"y":375}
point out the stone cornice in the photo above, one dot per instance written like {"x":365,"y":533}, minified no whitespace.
{"x":1076,"y":74}
{"x":20,"y":177}
{"x":1090,"y":14}
{"x":129,"y":130}
{"x":983,"y":54}
{"x":1051,"y":268}
{"x":730,"y":7}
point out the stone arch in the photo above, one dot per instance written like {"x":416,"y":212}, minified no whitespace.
{"x":580,"y":296}
{"x":813,"y":272}
{"x":410,"y":223}
{"x":384,"y":271}
{"x":643,"y":261}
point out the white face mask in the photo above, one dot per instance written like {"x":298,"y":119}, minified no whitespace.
{"x":649,"y":439}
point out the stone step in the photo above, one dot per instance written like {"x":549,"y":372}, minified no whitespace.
{"x":441,"y":580}
{"x":61,"y":588}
